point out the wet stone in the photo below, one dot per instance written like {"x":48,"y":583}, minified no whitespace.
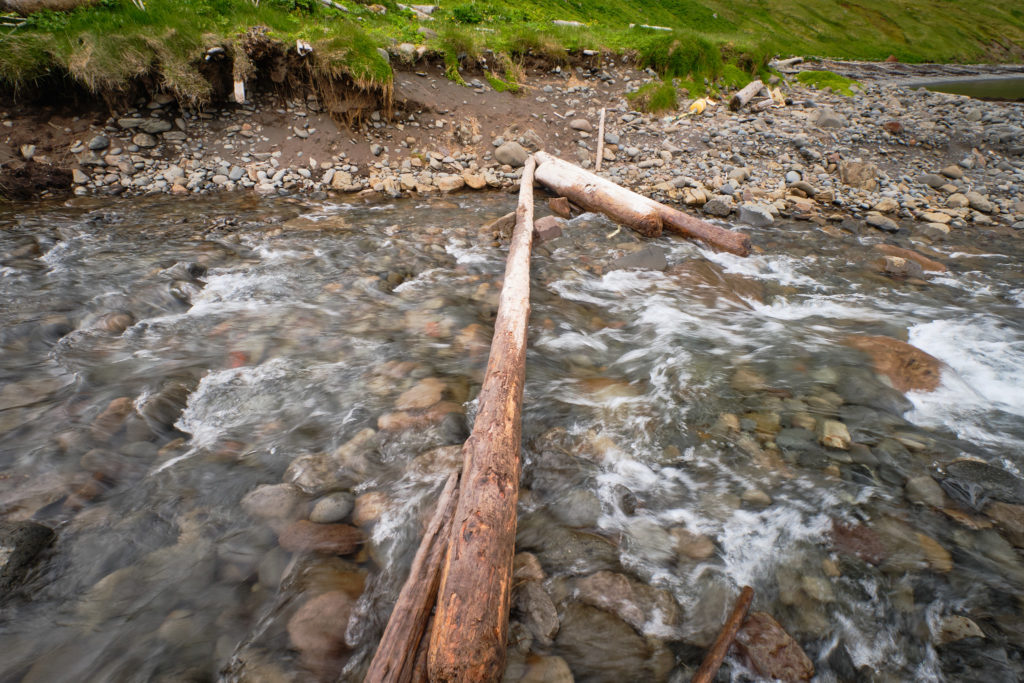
{"x":317,"y":630}
{"x":327,"y":539}
{"x":20,"y":545}
{"x":602,"y":648}
{"x":273,"y":501}
{"x":332,"y":508}
{"x":771,"y":651}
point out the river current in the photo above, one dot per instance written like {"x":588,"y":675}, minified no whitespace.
{"x":162,"y":358}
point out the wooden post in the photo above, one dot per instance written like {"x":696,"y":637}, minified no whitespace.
{"x":745,"y":95}
{"x":713,"y":660}
{"x":640,"y":213}
{"x":395,"y":659}
{"x":467,"y":641}
{"x":600,"y":142}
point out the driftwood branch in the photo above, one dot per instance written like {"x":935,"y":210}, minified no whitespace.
{"x":747,"y":93}
{"x":395,"y":660}
{"x":467,"y":641}
{"x":640,"y":213}
{"x":716,"y":655}
{"x":600,"y":142}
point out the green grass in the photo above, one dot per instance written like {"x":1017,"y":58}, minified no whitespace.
{"x":654,"y":97}
{"x":112,"y":44}
{"x":827,"y":79}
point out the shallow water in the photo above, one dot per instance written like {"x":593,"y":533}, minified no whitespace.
{"x":656,"y":403}
{"x":1002,"y":88}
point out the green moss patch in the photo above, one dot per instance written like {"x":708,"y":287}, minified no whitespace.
{"x":828,"y":79}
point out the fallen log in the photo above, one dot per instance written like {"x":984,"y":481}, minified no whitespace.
{"x":467,"y":640}
{"x":640,"y":213}
{"x":594,"y":193}
{"x":740,"y":99}
{"x":600,"y":142}
{"x":716,"y":655}
{"x":786,"y":63}
{"x":396,"y":657}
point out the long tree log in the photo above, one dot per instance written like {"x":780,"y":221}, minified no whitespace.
{"x":740,"y":99}
{"x":395,"y":659}
{"x":640,"y":213}
{"x":716,"y":655}
{"x":467,"y":641}
{"x":594,"y":193}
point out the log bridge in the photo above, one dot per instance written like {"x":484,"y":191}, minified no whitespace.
{"x":450,"y":622}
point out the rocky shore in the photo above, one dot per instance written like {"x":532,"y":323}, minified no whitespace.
{"x":890,"y":157}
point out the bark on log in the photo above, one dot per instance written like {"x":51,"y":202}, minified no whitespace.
{"x":600,"y":142}
{"x":594,"y":193}
{"x":396,"y":656}
{"x":786,"y":63}
{"x":713,"y":660}
{"x":467,"y":641}
{"x":740,"y":99}
{"x":640,"y":213}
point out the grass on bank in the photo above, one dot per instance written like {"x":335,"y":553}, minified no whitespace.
{"x":828,"y":79}
{"x":715,"y":44}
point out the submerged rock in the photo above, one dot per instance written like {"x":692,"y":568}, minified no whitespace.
{"x":317,"y":630}
{"x":602,"y":648}
{"x":771,"y":651}
{"x":20,"y":545}
{"x":907,"y":367}
{"x":976,"y":483}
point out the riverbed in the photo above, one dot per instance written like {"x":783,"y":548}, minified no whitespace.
{"x":163,"y":358}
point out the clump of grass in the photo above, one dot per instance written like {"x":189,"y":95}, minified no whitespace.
{"x":456,"y":44}
{"x":654,"y":97}
{"x":828,"y":79}
{"x":500,"y":85}
{"x":526,"y":40}
{"x":734,"y":77}
{"x":681,"y":54}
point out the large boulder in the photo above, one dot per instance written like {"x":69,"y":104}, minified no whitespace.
{"x":511,"y":153}
{"x":859,"y":174}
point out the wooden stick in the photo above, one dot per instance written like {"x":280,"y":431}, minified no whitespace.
{"x":745,"y":95}
{"x":646,"y":216}
{"x":467,"y":641}
{"x":713,"y":660}
{"x":600,"y":142}
{"x":395,"y":659}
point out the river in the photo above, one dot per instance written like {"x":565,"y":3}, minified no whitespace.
{"x":162,"y":358}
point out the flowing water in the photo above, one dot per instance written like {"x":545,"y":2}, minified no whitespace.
{"x":161,"y":358}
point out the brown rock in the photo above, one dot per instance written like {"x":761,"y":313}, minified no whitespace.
{"x":503,"y":226}
{"x":907,"y":367}
{"x":317,"y":630}
{"x":894,"y":127}
{"x":560,"y":206}
{"x":709,"y":282}
{"x":474,"y":181}
{"x":547,"y":228}
{"x":649,"y":610}
{"x":1010,"y":520}
{"x":536,"y":611}
{"x":327,"y":539}
{"x":691,"y":545}
{"x":369,"y":507}
{"x":859,"y":541}
{"x":424,"y":394}
{"x":526,"y":567}
{"x":859,"y":174}
{"x":113,"y":416}
{"x":771,"y":651}
{"x":400,"y":420}
{"x":898,"y":267}
{"x":923,"y":261}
